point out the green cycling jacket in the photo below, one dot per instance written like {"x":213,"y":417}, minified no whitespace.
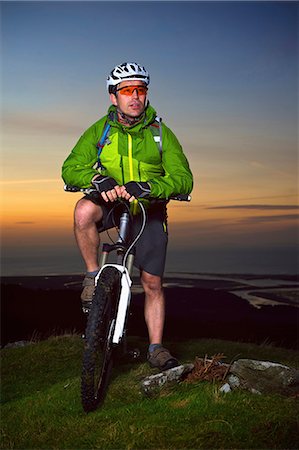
{"x":131,"y":154}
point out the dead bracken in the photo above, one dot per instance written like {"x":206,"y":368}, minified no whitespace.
{"x":206,"y":369}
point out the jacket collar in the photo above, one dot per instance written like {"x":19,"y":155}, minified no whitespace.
{"x":150,"y":115}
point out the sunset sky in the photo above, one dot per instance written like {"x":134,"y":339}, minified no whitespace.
{"x":224,"y":78}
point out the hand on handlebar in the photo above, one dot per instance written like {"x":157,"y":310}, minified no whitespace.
{"x":107,"y":187}
{"x":137,"y":189}
{"x":111,"y":191}
{"x":130,"y":191}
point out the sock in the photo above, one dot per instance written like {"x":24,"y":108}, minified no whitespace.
{"x":152,"y":347}
{"x":93,"y":274}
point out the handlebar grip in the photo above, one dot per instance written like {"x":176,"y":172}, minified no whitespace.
{"x":69,"y":188}
{"x":182,"y":197}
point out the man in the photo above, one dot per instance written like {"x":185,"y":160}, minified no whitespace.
{"x":130,"y":166}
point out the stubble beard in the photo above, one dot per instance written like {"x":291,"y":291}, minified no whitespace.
{"x":130,"y":117}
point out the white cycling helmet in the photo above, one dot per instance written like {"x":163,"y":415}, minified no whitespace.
{"x":127,"y":71}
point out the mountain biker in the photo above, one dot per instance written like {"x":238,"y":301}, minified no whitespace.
{"x":129,"y":166}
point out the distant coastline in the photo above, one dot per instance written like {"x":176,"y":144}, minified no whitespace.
{"x":258,"y":290}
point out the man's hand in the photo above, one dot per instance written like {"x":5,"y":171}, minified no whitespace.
{"x":137,"y":189}
{"x":107,"y":187}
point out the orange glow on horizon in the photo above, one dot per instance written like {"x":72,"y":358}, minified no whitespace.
{"x":42,"y":213}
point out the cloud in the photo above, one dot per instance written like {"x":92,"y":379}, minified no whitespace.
{"x":257,"y":207}
{"x":257,"y":164}
{"x":277,"y":218}
{"x":24,"y":222}
{"x":36,"y":123}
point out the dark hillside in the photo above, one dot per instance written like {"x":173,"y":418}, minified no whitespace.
{"x":192,"y":312}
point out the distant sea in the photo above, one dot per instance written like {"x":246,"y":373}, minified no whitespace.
{"x":63,"y":260}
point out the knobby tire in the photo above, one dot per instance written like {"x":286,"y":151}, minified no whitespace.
{"x":98,"y":349}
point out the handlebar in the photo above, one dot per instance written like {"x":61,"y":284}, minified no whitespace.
{"x":179,"y":197}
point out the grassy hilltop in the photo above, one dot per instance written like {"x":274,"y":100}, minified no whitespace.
{"x":41,"y":403}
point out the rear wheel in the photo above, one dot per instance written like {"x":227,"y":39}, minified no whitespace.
{"x":98,"y":350}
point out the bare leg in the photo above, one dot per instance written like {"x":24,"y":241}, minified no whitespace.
{"x":154,"y":307}
{"x":86,"y":233}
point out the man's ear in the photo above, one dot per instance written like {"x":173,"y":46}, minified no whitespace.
{"x":113,"y":99}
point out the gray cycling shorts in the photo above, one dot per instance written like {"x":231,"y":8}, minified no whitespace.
{"x":151,"y":247}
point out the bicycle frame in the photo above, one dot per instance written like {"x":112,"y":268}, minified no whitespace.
{"x":106,"y":324}
{"x":125,"y":260}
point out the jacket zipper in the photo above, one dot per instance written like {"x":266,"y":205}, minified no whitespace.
{"x":130,"y":154}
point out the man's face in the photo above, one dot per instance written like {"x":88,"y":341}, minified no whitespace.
{"x":131,"y":105}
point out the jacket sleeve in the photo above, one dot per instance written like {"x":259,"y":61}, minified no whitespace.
{"x":78,"y":169}
{"x":178,"y":178}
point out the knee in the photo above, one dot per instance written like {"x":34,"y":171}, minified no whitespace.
{"x":152,"y":284}
{"x":86,"y":213}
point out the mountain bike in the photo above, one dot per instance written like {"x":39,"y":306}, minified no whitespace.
{"x":106,"y":324}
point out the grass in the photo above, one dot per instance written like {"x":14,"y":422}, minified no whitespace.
{"x":41,"y":403}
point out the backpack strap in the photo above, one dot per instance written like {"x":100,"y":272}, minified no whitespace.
{"x":102,"y":142}
{"x":156,"y":129}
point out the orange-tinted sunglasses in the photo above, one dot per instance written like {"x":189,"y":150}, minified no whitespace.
{"x":129,"y":90}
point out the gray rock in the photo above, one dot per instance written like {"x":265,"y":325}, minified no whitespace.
{"x":257,"y":377}
{"x":264,"y":377}
{"x":152,"y":384}
{"x":225,"y":388}
{"x":233,"y":381}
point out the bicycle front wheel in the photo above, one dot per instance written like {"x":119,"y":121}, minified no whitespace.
{"x":98,"y":350}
